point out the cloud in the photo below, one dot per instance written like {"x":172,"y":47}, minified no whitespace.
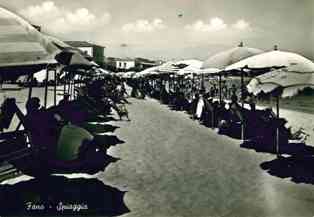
{"x":144,"y":26}
{"x":60,"y":20}
{"x":215,"y":24}
{"x":241,"y":25}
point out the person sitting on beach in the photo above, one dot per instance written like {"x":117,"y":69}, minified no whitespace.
{"x":33,"y":105}
{"x":234,"y":100}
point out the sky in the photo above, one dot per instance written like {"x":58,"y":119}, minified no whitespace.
{"x":175,"y":29}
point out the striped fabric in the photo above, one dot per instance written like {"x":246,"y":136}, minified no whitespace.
{"x":21,"y":44}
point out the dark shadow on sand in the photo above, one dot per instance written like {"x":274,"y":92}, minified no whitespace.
{"x":295,"y":149}
{"x":107,"y":140}
{"x":99,"y":128}
{"x":102,"y":119}
{"x":100,"y":199}
{"x":299,"y":169}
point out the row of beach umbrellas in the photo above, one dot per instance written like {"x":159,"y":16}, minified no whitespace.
{"x":288,"y":70}
{"x":25,"y":50}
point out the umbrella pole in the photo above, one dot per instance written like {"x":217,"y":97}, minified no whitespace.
{"x":242,"y":89}
{"x":203,"y":85}
{"x":46,"y":87}
{"x":242,"y":104}
{"x":277,"y":130}
{"x":170,"y":83}
{"x":160,"y":87}
{"x":74,"y":89}
{"x":30,"y":90}
{"x":55,"y":88}
{"x":69,"y":89}
{"x":193,"y":80}
{"x":64,"y":84}
{"x":220,"y":90}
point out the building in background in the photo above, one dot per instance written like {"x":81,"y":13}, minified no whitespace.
{"x":120,"y":64}
{"x":97,"y":52}
{"x":116,"y":64}
{"x":142,"y":63}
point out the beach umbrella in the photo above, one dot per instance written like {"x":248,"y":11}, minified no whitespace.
{"x":223,"y":59}
{"x":70,"y":49}
{"x":229,"y":57}
{"x":170,"y":67}
{"x":23,"y":49}
{"x":100,"y":71}
{"x":73,"y":59}
{"x":295,"y":73}
{"x":273,"y":59}
{"x":208,"y":71}
{"x":190,"y":63}
{"x":290,"y":82}
{"x":193,"y":67}
{"x":147,"y":72}
{"x":128,"y":74}
{"x":185,"y":68}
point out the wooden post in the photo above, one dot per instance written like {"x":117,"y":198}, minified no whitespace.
{"x":46,"y":87}
{"x":202,"y":85}
{"x":277,"y":130}
{"x":220,"y":89}
{"x":242,"y":105}
{"x":30,"y":90}
{"x":55,"y":88}
{"x":242,"y":88}
{"x":64,"y":84}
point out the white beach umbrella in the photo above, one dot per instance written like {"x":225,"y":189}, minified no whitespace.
{"x":296,"y":74}
{"x":191,"y":63}
{"x":23,"y":49}
{"x":228,"y":57}
{"x":100,"y":71}
{"x":291,"y":82}
{"x":147,"y":72}
{"x":128,"y":74}
{"x":168,"y":67}
{"x":208,"y":71}
{"x":271,"y":59}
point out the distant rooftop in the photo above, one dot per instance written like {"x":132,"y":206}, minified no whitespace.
{"x":82,"y":44}
{"x":119,"y":59}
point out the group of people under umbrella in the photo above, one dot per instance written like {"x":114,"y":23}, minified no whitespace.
{"x":57,"y":138}
{"x":231,"y":107}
